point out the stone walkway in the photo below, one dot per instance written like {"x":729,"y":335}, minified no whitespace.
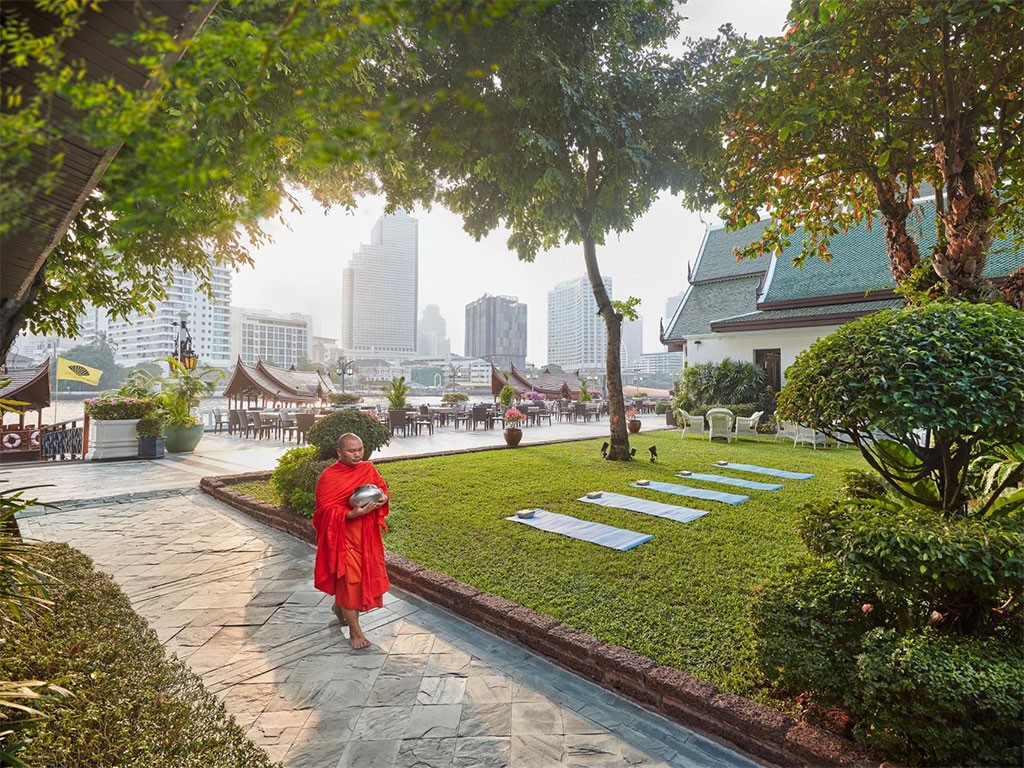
{"x":235,"y":600}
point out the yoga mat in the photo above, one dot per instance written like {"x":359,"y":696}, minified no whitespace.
{"x":656,"y":508}
{"x":768,"y":471}
{"x":596,"y":533}
{"x":732,"y":481}
{"x":697,"y":493}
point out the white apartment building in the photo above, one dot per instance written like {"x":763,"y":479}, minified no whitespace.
{"x":279,"y":339}
{"x":379,"y":290}
{"x":144,"y":338}
{"x":632,"y":340}
{"x":577,"y":337}
{"x":657,"y":362}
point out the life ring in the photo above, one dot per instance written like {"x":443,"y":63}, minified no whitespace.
{"x":34,"y":438}
{"x":12,"y":440}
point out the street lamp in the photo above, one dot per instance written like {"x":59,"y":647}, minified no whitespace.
{"x":345,"y":368}
{"x":184,"y":353}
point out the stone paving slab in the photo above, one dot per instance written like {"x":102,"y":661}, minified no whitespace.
{"x":236,"y":601}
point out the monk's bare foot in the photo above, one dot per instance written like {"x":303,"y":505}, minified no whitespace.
{"x":339,"y":613}
{"x":358,"y":641}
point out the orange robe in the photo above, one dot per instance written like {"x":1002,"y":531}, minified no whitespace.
{"x":349,"y":553}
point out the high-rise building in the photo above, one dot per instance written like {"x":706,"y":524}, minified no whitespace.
{"x":577,"y":337}
{"x":632,"y":340}
{"x":671,"y":305}
{"x":496,"y":331}
{"x":379,"y":290}
{"x":144,"y":338}
{"x":275,"y":338}
{"x":433,"y":338}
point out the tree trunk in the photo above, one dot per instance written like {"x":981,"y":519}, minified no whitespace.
{"x":968,"y":220}
{"x":619,"y":449}
{"x":895,"y":206}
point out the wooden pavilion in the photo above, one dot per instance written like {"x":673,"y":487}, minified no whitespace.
{"x":263,"y":384}
{"x":20,"y":441}
{"x":554,"y":386}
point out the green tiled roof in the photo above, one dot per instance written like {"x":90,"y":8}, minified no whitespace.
{"x":712,"y":301}
{"x":818,"y":311}
{"x":860,"y":263}
{"x":717,"y":259}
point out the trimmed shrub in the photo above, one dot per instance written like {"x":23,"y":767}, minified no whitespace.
{"x":344,"y":398}
{"x":661,"y":406}
{"x":295,"y":477}
{"x":131,"y":704}
{"x":324,"y":434}
{"x":119,"y":407}
{"x":927,"y":698}
{"x":454,"y":397}
{"x":807,"y":629}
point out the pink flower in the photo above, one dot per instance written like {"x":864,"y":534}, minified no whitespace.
{"x":867,"y":608}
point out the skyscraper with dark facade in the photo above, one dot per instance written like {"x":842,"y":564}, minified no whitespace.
{"x":496,"y":331}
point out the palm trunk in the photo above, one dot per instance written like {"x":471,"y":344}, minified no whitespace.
{"x":619,"y":449}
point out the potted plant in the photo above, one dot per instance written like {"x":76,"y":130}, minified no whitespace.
{"x":113,"y":418}
{"x":397,"y":393}
{"x":151,"y":437}
{"x":453,"y":398}
{"x":633,"y":422}
{"x":513,"y":431}
{"x":180,"y":392}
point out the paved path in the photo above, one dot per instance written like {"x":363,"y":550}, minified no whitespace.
{"x":235,"y":600}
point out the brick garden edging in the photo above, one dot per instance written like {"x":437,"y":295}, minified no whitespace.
{"x":695,"y":703}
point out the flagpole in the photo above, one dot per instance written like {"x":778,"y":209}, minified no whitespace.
{"x":56,"y":382}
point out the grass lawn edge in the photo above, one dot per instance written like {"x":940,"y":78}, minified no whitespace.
{"x":695,"y":703}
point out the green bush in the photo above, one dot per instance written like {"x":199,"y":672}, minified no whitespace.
{"x":927,"y":698}
{"x":150,"y":426}
{"x":807,"y":629}
{"x":119,"y":407}
{"x":131,"y":704}
{"x":295,"y":477}
{"x":661,"y":406}
{"x":324,"y":434}
{"x":454,"y":397}
{"x":952,"y":369}
{"x":344,"y":398}
{"x":730,"y":381}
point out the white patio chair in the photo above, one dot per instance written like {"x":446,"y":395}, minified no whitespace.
{"x":720,"y":421}
{"x":694,"y":423}
{"x":808,"y":435}
{"x":746,"y":426}
{"x":786,"y":429}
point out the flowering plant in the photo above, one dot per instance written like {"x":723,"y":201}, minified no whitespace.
{"x":632,"y":413}
{"x":119,"y":407}
{"x":532,"y":395}
{"x":514,"y":417}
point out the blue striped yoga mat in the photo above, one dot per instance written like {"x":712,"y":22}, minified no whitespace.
{"x":656,"y":508}
{"x":768,"y":471}
{"x":596,"y":533}
{"x":731,"y":481}
{"x":697,"y":493}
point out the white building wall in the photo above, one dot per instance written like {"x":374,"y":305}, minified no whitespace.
{"x":280,"y":339}
{"x":577,"y":337}
{"x":740,"y":346}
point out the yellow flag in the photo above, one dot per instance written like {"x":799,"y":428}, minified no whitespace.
{"x":69,"y":370}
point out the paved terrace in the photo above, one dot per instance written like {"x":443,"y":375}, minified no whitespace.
{"x":235,"y":600}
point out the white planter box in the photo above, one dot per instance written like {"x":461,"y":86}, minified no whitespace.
{"x":113,"y":439}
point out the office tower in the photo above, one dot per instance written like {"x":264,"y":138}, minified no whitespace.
{"x":577,"y":337}
{"x":283,"y":340}
{"x":379,"y":290}
{"x":433,"y":338}
{"x":671,"y":305}
{"x":144,"y":338}
{"x":496,"y":331}
{"x":632,"y":340}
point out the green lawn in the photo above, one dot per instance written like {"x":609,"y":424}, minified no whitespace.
{"x":681,"y":598}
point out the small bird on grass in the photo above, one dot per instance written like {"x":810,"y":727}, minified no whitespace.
{"x":604,"y":449}
{"x":654,"y":453}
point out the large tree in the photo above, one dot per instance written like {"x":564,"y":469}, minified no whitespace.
{"x":860,"y":104}
{"x":270,"y":95}
{"x":572,"y":121}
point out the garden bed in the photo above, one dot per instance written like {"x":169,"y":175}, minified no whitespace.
{"x":666,"y":623}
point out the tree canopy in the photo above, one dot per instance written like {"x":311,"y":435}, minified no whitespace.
{"x":572,"y":120}
{"x":860,"y":105}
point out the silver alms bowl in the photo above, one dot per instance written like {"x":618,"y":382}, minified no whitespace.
{"x":365,"y":494}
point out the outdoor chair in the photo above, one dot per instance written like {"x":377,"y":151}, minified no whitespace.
{"x":746,"y":426}
{"x":689,"y":422}
{"x":461,"y":414}
{"x":720,"y":421}
{"x":270,"y":424}
{"x":544,"y":414}
{"x":423,"y":419}
{"x":480,"y":415}
{"x":399,"y":420}
{"x":303,"y":421}
{"x":221,"y":419}
{"x":289,"y":429}
{"x":786,"y":429}
{"x":236,"y":422}
{"x":252,"y":424}
{"x":808,"y":435}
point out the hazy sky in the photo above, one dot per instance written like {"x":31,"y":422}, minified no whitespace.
{"x":301,"y":270}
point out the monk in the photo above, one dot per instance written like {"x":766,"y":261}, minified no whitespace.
{"x":349,"y":547}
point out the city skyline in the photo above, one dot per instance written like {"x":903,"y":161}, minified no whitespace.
{"x":301,"y":271}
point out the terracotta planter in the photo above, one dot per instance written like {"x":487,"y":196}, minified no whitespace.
{"x":113,"y":439}
{"x":512,"y":436}
{"x":182,"y":439}
{"x":633,"y":425}
{"x":670,"y":418}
